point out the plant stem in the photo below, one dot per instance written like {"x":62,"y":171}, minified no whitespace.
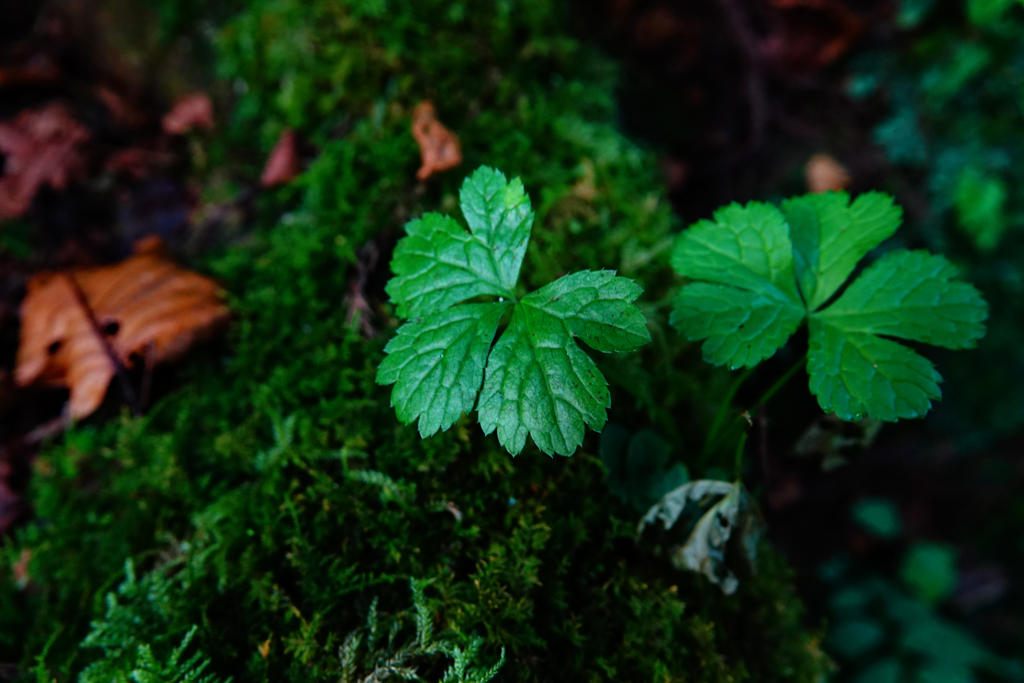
{"x":738,"y":458}
{"x":723,"y":411}
{"x":714,"y":434}
{"x":766,"y":396}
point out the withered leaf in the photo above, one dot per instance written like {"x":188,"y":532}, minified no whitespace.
{"x":283,"y":162}
{"x":189,"y":112}
{"x":439,"y":147}
{"x":146,"y":305}
{"x":823,"y":174}
{"x":41,"y":147}
{"x":732,"y":516}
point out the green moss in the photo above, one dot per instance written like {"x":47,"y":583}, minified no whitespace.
{"x":274,"y":498}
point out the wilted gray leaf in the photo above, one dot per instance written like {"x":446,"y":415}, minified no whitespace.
{"x":731,"y":516}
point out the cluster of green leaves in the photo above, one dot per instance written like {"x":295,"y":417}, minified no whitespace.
{"x":538,"y":383}
{"x":758,"y":272}
{"x":279,"y":460}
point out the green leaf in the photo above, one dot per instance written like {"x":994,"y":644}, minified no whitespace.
{"x":537,"y":381}
{"x":639,"y":466}
{"x":857,"y":375}
{"x":745,"y":304}
{"x":905,"y":294}
{"x":878,"y":516}
{"x":597,"y":307}
{"x":981,"y":207}
{"x":929,"y":569}
{"x":498,"y":213}
{"x":830,"y":236}
{"x":437,"y":364}
{"x":911,"y":295}
{"x":856,"y":637}
{"x":540,"y":383}
{"x":987,"y":11}
{"x":439,"y":265}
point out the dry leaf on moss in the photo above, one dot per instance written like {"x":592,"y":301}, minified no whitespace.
{"x":144,"y":305}
{"x":41,"y":147}
{"x":439,"y":147}
{"x":823,"y":174}
{"x":192,"y":111}
{"x":283,"y":162}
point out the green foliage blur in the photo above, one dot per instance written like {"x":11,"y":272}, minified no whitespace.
{"x":954,"y":93}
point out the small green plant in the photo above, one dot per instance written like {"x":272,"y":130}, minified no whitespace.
{"x":136,"y":623}
{"x":538,"y":381}
{"x":365,"y":656}
{"x":758,"y":272}
{"x":640,"y":466}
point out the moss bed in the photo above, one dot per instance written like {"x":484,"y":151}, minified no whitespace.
{"x":271,"y":501}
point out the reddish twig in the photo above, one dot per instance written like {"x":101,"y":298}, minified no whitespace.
{"x":757,"y":91}
{"x":147,"y":376}
{"x":358,"y":307}
{"x":46,"y":430}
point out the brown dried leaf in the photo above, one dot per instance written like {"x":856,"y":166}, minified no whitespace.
{"x":146,"y":305}
{"x":42,"y":147}
{"x":439,"y":147}
{"x":823,"y":174}
{"x":192,"y":111}
{"x":283,"y":162}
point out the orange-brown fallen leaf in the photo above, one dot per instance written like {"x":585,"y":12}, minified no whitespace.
{"x":264,"y":648}
{"x":439,"y":147}
{"x":41,"y":147}
{"x":823,"y":173}
{"x":192,"y":111}
{"x":145,"y":305}
{"x":283,"y":162}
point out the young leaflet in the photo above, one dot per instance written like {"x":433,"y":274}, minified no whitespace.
{"x":758,"y":272}
{"x":536,"y":380}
